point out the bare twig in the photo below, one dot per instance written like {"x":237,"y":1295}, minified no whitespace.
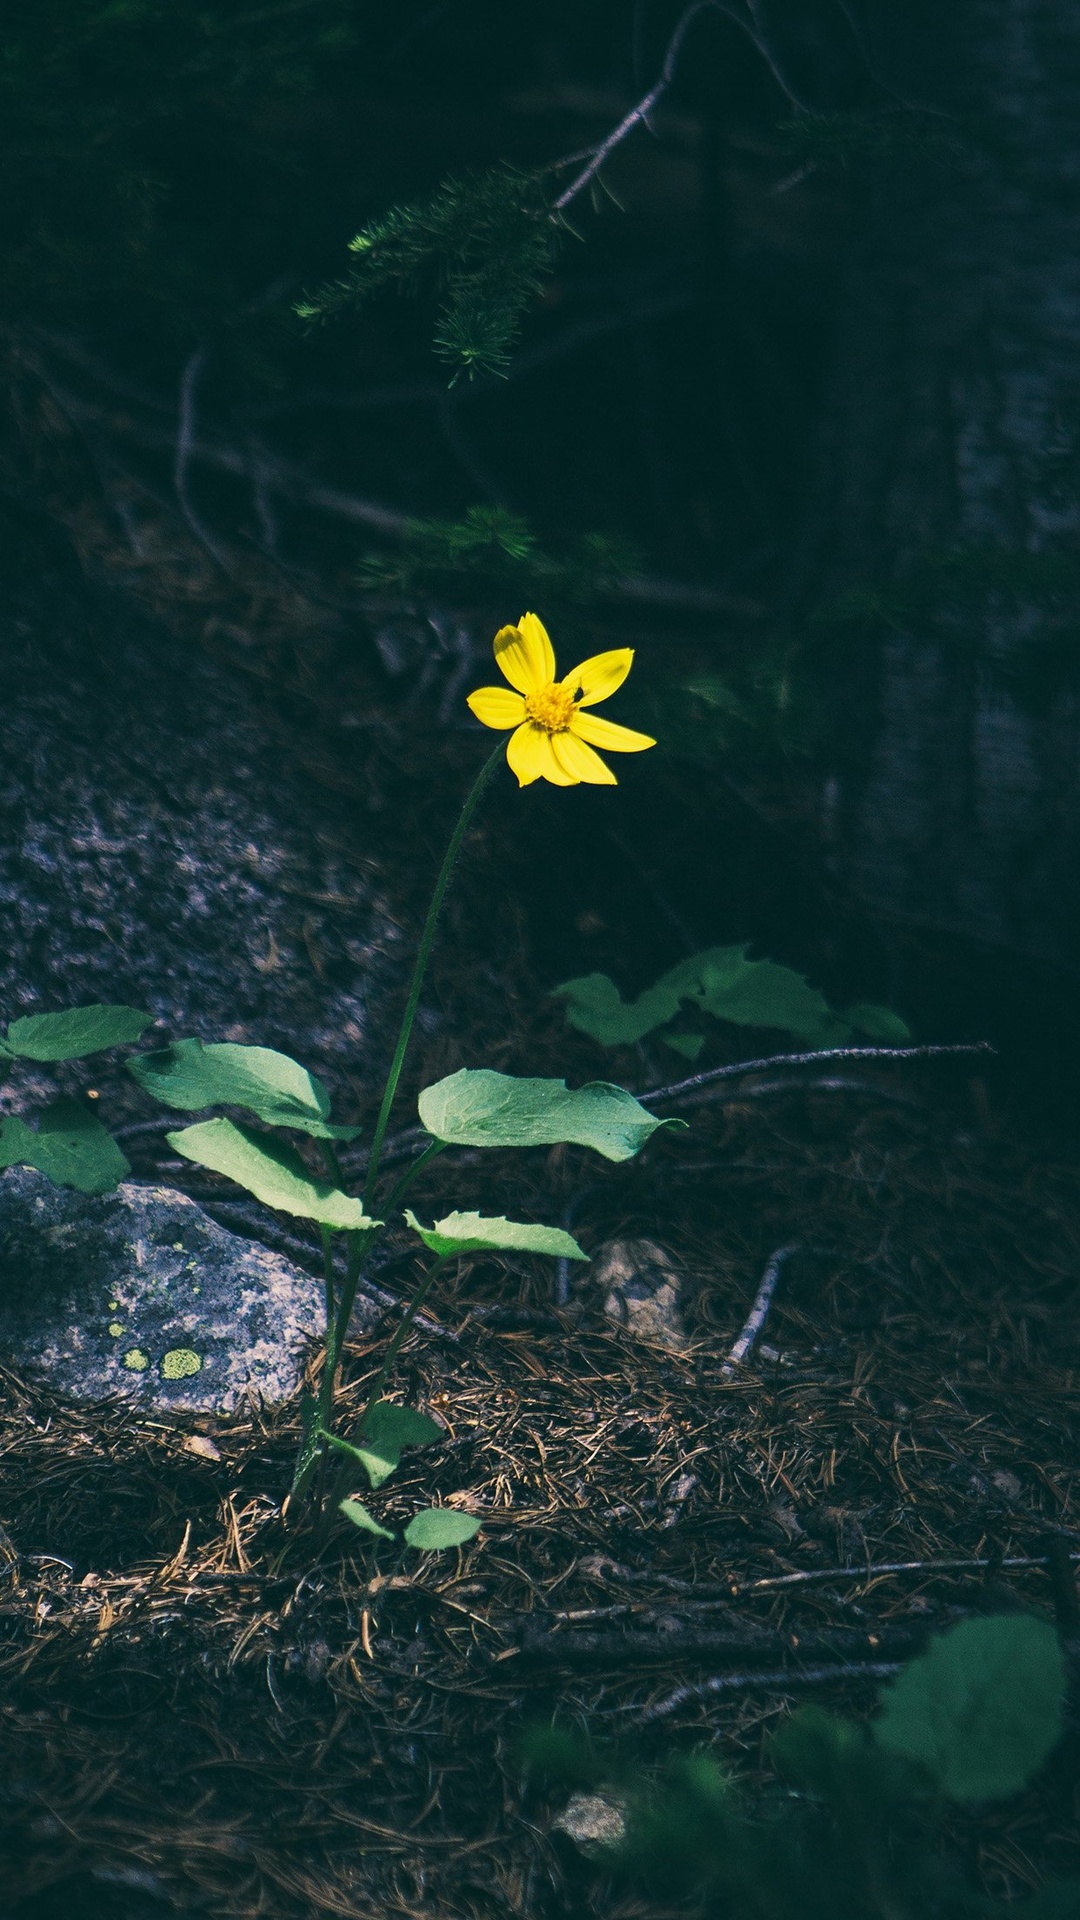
{"x":758,"y":1314}
{"x":772,"y":1681}
{"x":639,"y":114}
{"x":737,"y":1067}
{"x":542,"y":1642}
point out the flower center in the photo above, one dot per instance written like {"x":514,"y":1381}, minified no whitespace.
{"x":550,"y":707}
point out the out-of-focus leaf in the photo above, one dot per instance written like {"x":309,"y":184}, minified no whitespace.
{"x":70,"y":1147}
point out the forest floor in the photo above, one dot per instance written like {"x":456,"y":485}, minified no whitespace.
{"x":208,"y":1709}
{"x":204,"y":1707}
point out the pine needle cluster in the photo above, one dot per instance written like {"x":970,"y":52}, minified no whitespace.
{"x":488,"y":239}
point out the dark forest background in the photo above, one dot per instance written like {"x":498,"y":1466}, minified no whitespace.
{"x":793,"y":407}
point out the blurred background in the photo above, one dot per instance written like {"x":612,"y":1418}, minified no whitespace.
{"x":790,"y":404}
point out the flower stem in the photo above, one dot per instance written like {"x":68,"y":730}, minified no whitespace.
{"x":363,"y":1242}
{"x":422,"y":957}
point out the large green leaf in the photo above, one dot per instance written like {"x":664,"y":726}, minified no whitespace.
{"x":981,"y":1709}
{"x":280,"y":1091}
{"x":75,"y":1033}
{"x":485,"y":1109}
{"x":70,"y":1147}
{"x":878,"y":1023}
{"x":388,"y":1429}
{"x":356,"y":1511}
{"x":270,"y":1170}
{"x":439,"y":1527}
{"x":472,"y":1233}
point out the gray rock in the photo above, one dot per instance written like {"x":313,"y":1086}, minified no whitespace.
{"x":593,"y":1821}
{"x":140,"y":1293}
{"x":159,"y":846}
{"x":642,"y":1291}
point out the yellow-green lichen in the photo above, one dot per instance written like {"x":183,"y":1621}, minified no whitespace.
{"x":180,"y":1363}
{"x":135,"y":1360}
{"x":116,"y":1328}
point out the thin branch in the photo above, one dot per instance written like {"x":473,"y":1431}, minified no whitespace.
{"x":639,"y":114}
{"x":737,"y":1067}
{"x":644,"y":106}
{"x":758,"y":1314}
{"x":772,"y":1682}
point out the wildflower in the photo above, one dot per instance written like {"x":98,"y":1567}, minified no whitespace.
{"x":554,"y":737}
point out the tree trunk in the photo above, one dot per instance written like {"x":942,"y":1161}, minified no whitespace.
{"x":950,"y":455}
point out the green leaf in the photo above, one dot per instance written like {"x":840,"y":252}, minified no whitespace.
{"x":981,"y":1709}
{"x":280,"y":1091}
{"x":725,"y":983}
{"x":688,"y":1044}
{"x":79,"y":1031}
{"x":387,"y":1430}
{"x":758,"y":993}
{"x":878,"y":1023}
{"x":355,"y":1511}
{"x":439,"y":1527}
{"x":486,"y":1109}
{"x":270,"y":1170}
{"x":70,"y":1147}
{"x":472,"y":1233}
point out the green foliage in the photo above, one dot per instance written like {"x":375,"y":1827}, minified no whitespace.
{"x":487,"y":240}
{"x":70,"y":1147}
{"x":981,"y":1710}
{"x":439,"y":1527}
{"x":270,"y":1085}
{"x":460,"y":1233}
{"x":270,"y":1170}
{"x":725,"y":984}
{"x":480,"y":1108}
{"x":859,"y":1831}
{"x":75,"y":1033}
{"x":387,"y":1431}
{"x":496,"y":552}
{"x":905,"y":135}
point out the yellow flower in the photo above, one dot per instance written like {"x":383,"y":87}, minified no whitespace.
{"x":553,"y":737}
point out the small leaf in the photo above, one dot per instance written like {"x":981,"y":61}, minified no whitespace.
{"x":277,"y":1089}
{"x":70,"y":1147}
{"x":387,"y":1430}
{"x":270,"y":1170}
{"x":78,"y":1031}
{"x":878,"y":1023}
{"x":439,"y":1527}
{"x":472,"y":1233}
{"x":355,"y":1511}
{"x":759,"y":993}
{"x":981,"y":1709}
{"x":486,"y":1109}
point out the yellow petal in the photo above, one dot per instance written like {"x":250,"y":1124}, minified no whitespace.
{"x":529,"y":754}
{"x":525,"y":654}
{"x":497,"y":706}
{"x":606,"y":734}
{"x":580,"y":762}
{"x":599,"y":677}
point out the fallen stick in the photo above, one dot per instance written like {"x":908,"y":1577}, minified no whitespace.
{"x":758,"y":1314}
